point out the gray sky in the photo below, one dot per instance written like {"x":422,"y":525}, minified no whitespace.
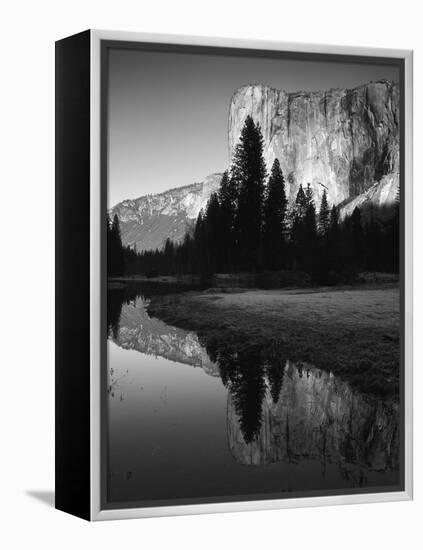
{"x":168,"y":112}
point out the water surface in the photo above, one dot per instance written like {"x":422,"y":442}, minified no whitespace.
{"x":192,"y":420}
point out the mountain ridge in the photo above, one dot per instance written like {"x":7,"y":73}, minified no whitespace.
{"x":146,"y":222}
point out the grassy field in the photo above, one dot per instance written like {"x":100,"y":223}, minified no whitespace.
{"x":353,"y":332}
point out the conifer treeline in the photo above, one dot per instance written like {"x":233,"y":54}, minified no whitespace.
{"x":116,"y":254}
{"x":247,"y":227}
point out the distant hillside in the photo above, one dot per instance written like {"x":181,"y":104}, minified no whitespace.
{"x":147,"y":221}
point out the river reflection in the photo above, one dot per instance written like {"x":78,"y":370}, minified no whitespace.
{"x":189,"y":435}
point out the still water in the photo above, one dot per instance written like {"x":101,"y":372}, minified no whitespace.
{"x":194,"y":420}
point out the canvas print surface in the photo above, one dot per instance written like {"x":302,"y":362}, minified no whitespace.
{"x":253,"y":277}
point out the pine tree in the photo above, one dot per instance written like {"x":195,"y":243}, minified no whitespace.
{"x":333,"y":239}
{"x":309,"y":194}
{"x":248,"y":174}
{"x":324,"y":215}
{"x":274,"y":219}
{"x":115,"y":253}
{"x":169,"y":255}
{"x":373,"y":240}
{"x":304,"y":231}
{"x":200,"y":245}
{"x":228,"y":200}
{"x":310,"y":253}
{"x":300,"y":204}
{"x":334,"y":221}
{"x":357,"y":240}
{"x":310,"y":224}
{"x":297,"y":227}
{"x":248,"y":389}
{"x":212,"y":230}
{"x":275,"y":363}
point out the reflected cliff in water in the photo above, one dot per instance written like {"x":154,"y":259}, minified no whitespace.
{"x":277,"y":411}
{"x":317,"y":416}
{"x":130,"y":327}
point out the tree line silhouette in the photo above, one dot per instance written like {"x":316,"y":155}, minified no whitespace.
{"x":248,"y":227}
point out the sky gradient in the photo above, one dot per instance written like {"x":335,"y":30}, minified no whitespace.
{"x":168,"y":111}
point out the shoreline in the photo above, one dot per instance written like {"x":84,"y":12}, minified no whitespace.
{"x":351,"y":331}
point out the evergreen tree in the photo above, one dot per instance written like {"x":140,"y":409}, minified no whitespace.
{"x":200,"y":245}
{"x":275,"y":363}
{"x":244,"y":375}
{"x":248,"y":174}
{"x":212,"y":231}
{"x":228,"y":200}
{"x":274,"y":219}
{"x":300,"y":204}
{"x":169,"y":256}
{"x":308,"y":195}
{"x":297,"y":226}
{"x":310,"y":224}
{"x":304,"y":231}
{"x":324,"y":215}
{"x":357,"y":240}
{"x":310,"y":252}
{"x":115,"y":254}
{"x":373,"y":240}
{"x":333,"y":239}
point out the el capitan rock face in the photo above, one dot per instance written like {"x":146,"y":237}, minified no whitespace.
{"x":341,"y":140}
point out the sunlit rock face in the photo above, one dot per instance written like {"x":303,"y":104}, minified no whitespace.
{"x":341,"y":140}
{"x":383,"y":192}
{"x":148,"y":221}
{"x":137,"y":331}
{"x":317,"y":416}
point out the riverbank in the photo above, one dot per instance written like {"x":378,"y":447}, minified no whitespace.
{"x":353,"y":332}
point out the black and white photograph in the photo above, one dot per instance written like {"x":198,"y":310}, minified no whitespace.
{"x":211,"y":270}
{"x":254,"y":344}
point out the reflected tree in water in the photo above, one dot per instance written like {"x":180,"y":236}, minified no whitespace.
{"x":244,"y":373}
{"x":116,"y":298}
{"x":114,"y":309}
{"x":275,"y":368}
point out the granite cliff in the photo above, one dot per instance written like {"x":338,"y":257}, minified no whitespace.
{"x":344,"y":141}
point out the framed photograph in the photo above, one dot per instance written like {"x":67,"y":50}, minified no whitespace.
{"x":233,"y":275}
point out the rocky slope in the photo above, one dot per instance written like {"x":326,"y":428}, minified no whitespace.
{"x":341,"y":140}
{"x":383,"y":192}
{"x":146,"y":222}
